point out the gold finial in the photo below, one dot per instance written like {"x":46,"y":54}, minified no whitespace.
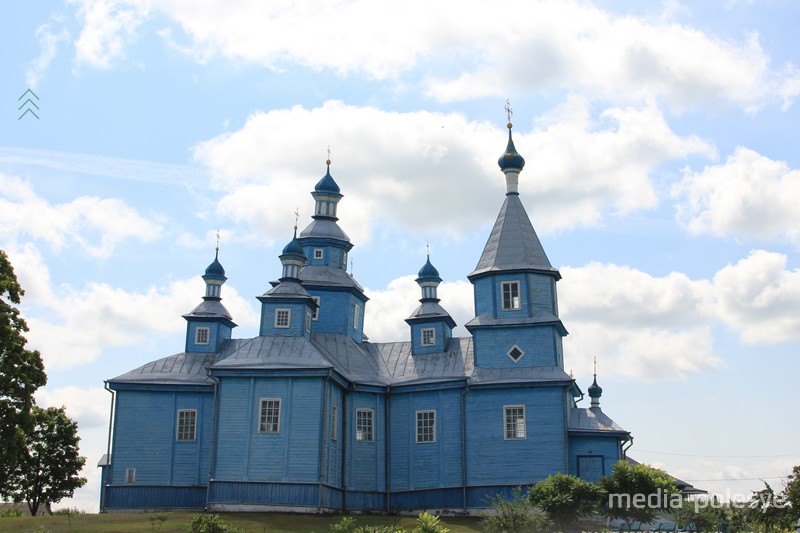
{"x":296,"y":218}
{"x":217,"y":242}
{"x":328,"y":162}
{"x":428,"y":248}
{"x":509,"y":112}
{"x":351,"y":266}
{"x":595,"y":367}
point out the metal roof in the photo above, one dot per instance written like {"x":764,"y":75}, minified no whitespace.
{"x":379,"y":364}
{"x":324,"y":227}
{"x":209,"y":308}
{"x":513,"y":243}
{"x":325,"y":275}
{"x":592,"y":419}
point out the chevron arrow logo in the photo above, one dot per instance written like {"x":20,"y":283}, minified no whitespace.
{"x":28,"y":104}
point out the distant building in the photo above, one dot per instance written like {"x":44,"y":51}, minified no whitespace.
{"x":310,"y":416}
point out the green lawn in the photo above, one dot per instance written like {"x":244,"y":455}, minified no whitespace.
{"x":176,"y":523}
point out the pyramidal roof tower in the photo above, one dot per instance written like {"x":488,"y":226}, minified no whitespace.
{"x":516,"y":320}
{"x":513,"y":243}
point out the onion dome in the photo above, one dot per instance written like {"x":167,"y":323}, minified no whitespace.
{"x":428,"y":271}
{"x":294,"y":247}
{"x":215,"y":268}
{"x":595,"y":391}
{"x":327,"y":183}
{"x":511,"y":159}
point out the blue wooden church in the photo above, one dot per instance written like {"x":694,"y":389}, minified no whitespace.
{"x":310,"y":416}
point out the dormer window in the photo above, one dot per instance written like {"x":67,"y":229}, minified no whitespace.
{"x":356,"y":316}
{"x":201,"y":335}
{"x":428,"y":336}
{"x":283,"y":318}
{"x":316,"y":309}
{"x":510,"y":291}
{"x":319,"y":253}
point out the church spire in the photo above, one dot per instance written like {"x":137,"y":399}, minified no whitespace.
{"x":511,"y":163}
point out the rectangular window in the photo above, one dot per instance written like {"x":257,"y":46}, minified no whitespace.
{"x":269,"y":419}
{"x":334,"y":421}
{"x":187,"y":424}
{"x":426,"y":426}
{"x":316,"y":309}
{"x":356,"y":316}
{"x":130,"y":476}
{"x":201,"y":335}
{"x":428,"y":336}
{"x":364,"y":431}
{"x":283,"y":318}
{"x":308,"y":322}
{"x":510,"y":291}
{"x":318,"y":254}
{"x":515,"y":422}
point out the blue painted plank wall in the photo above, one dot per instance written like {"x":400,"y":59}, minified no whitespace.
{"x":542,"y":346}
{"x":493,"y":460}
{"x":366,"y":460}
{"x":607,"y":447}
{"x":145,"y":438}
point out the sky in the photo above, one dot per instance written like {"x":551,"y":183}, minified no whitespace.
{"x":662,"y":175}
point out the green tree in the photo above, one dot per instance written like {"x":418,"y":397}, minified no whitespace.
{"x":769,"y":509}
{"x":704,"y":513}
{"x":791,"y":494}
{"x":48,"y":469}
{"x":21,"y":373}
{"x":565,"y":498}
{"x":637,"y":493}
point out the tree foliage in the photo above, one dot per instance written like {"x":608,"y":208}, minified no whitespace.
{"x":565,"y":498}
{"x":637,"y":492}
{"x":48,"y":470}
{"x":21,"y":373}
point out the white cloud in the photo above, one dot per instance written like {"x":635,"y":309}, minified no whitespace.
{"x":759,"y":298}
{"x":390,"y":166}
{"x":638,"y":325}
{"x":48,"y":42}
{"x":89,"y":407}
{"x":97,"y":225}
{"x":543,"y":46}
{"x":108,"y":26}
{"x":749,"y":195}
{"x":105,"y":316}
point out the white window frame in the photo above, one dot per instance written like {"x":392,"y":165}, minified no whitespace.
{"x":130,"y":476}
{"x":334,"y":422}
{"x":511,"y":423}
{"x":431,"y":341}
{"x":426,"y":422}
{"x":319,"y":253}
{"x":265,"y":424}
{"x":186,"y":426}
{"x":365,"y":425}
{"x":356,"y":316}
{"x":308,"y":322}
{"x":512,"y":304}
{"x":278,"y":313}
{"x":197,"y":335}
{"x":315,"y":315}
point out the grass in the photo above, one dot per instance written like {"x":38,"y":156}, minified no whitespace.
{"x":176,"y":523}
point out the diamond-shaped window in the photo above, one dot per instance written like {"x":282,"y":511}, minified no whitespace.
{"x":515,"y":353}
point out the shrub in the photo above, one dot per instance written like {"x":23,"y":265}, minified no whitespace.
{"x":210,"y":523}
{"x":69,"y":511}
{"x":428,"y":523}
{"x":515,"y":515}
{"x":10,"y":513}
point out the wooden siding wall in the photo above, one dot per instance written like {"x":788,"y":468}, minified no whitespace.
{"x":145,"y":438}
{"x":537,"y":291}
{"x":541,"y":345}
{"x":493,"y":460}
{"x":607,"y":447}
{"x":291,"y":454}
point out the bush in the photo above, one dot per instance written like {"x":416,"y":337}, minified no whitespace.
{"x":69,"y":511}
{"x":10,"y":513}
{"x":516,"y":515}
{"x":428,"y":523}
{"x":210,"y":523}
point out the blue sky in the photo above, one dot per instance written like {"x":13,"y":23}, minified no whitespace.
{"x":661,"y":173}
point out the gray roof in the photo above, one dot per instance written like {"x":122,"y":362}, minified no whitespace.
{"x":592,"y":419}
{"x":513,"y":243}
{"x":366,"y":363}
{"x":179,"y":369}
{"x":210,"y":308}
{"x":430,"y":309}
{"x":286,"y":288}
{"x":540,"y":316}
{"x":326,"y":228}
{"x":330,"y":276}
